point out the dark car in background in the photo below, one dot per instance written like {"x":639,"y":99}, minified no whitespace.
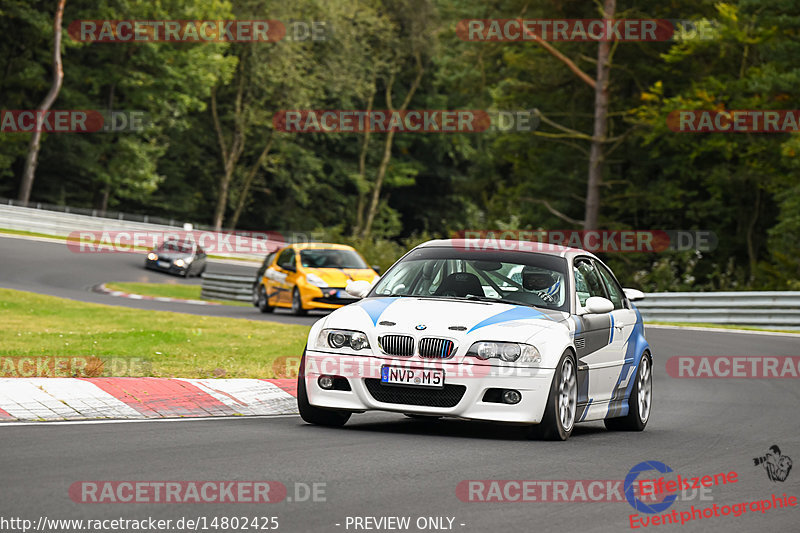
{"x":177,"y":257}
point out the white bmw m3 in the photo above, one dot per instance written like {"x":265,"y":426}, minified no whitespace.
{"x":537,"y":334}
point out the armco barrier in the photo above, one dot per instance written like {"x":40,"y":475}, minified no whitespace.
{"x":764,"y":308}
{"x":227,"y":287}
{"x":61,"y":224}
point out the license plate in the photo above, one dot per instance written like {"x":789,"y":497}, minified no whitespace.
{"x":412,"y":377}
{"x":163,"y":264}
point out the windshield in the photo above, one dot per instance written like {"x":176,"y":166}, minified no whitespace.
{"x":331,"y":259}
{"x":520,"y":278}
{"x":175,"y":246}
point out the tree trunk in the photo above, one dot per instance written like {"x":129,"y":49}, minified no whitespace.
{"x":222,"y":199}
{"x":29,"y":172}
{"x":752,"y":257}
{"x":376,"y":190}
{"x":248,"y":181}
{"x":596,"y":156}
{"x":387,"y":147}
{"x":362,"y":164}
{"x":229,"y":157}
{"x":104,"y":199}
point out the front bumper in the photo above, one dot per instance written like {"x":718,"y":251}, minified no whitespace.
{"x":172,"y":268}
{"x":328,"y":298}
{"x":473,"y":380}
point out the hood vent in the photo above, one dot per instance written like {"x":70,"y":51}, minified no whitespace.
{"x":458,"y":328}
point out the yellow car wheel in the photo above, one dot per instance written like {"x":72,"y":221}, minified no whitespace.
{"x":297,"y":303}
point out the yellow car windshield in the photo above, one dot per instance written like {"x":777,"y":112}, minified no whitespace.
{"x":331,"y":258}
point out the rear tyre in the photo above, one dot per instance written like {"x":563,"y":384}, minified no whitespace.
{"x":263,"y":302}
{"x":559,"y":415}
{"x":316,"y":415}
{"x":297,"y":303}
{"x":640,"y":402}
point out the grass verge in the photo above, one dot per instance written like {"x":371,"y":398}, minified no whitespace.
{"x":144,"y":343}
{"x":168,"y":290}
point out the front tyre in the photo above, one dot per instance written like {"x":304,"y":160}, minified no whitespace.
{"x":559,"y":415}
{"x":297,"y":303}
{"x":316,"y":415}
{"x":263,"y":302}
{"x":640,"y":402}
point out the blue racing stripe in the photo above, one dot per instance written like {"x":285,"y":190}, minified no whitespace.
{"x":375,"y":307}
{"x":516,"y":313}
{"x":611,"y":338}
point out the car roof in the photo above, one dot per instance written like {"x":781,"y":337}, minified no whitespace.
{"x":501,"y":245}
{"x":320,"y":246}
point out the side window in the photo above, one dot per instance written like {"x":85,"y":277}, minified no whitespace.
{"x":614,"y":291}
{"x":286,"y":259}
{"x":587,"y":282}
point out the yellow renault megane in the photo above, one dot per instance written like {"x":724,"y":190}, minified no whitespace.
{"x":310,"y":276}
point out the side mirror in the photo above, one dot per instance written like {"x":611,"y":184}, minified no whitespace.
{"x":633,"y":294}
{"x":290,"y":268}
{"x":596,"y":304}
{"x":376,"y":268}
{"x":358,"y":289}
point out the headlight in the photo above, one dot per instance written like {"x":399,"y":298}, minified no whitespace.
{"x":342,"y":338}
{"x":152,"y":257}
{"x":179,"y":262}
{"x":509,"y":352}
{"x":316,"y":281}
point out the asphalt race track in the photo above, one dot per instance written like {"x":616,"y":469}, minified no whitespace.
{"x":382,"y":465}
{"x":51,"y":268}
